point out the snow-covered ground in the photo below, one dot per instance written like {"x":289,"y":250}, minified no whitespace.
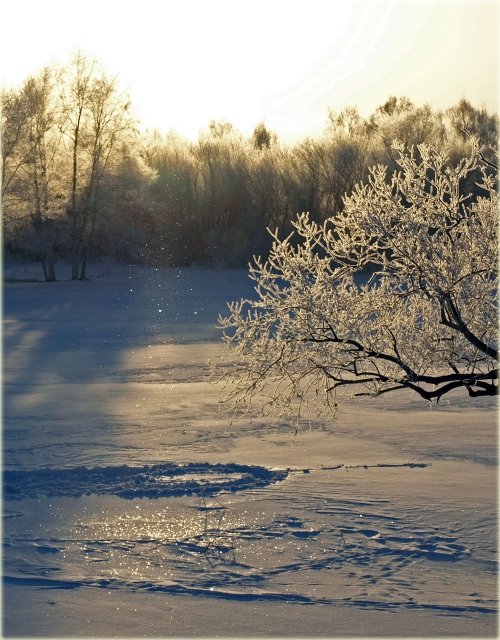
{"x":134,"y":508}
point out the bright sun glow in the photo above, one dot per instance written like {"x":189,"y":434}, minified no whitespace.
{"x":282,"y":62}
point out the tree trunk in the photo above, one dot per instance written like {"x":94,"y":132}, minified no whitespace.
{"x":74,"y":266}
{"x":51,"y":262}
{"x":90,"y":236}
{"x":49,"y":266}
{"x":44,"y":267}
{"x":83,"y":270}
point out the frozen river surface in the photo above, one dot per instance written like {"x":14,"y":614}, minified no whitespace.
{"x":134,"y":508}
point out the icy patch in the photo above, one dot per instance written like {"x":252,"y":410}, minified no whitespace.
{"x":154,"y":481}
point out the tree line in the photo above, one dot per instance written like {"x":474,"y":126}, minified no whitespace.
{"x":81,"y":178}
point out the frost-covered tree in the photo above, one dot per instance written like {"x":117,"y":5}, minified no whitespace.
{"x":32,"y":188}
{"x":64,"y":135}
{"x":96,"y":123}
{"x":396,"y":292}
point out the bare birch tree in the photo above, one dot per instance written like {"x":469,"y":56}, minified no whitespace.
{"x":95,"y":121}
{"x":32,"y":190}
{"x":396,"y":292}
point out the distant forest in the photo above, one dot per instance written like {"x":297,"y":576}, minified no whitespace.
{"x":82,"y":180}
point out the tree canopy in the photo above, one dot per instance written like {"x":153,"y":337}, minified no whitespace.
{"x":398,"y":291}
{"x":81,"y":179}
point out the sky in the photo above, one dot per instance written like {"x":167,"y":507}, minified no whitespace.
{"x":281,"y":62}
